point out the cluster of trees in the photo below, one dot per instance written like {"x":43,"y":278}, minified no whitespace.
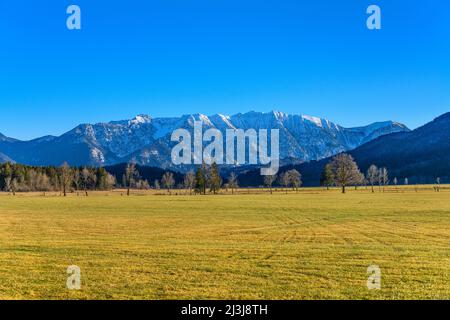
{"x":291,"y":178}
{"x":343,"y":171}
{"x":204,"y":179}
{"x":207,"y":177}
{"x":19,"y":178}
{"x":131,"y":180}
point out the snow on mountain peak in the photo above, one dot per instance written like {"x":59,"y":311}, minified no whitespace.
{"x":203,"y":118}
{"x":222,"y":121}
{"x":140,"y":119}
{"x":223,"y":117}
{"x":317,"y":121}
{"x":280,"y":116}
{"x":302,"y":137}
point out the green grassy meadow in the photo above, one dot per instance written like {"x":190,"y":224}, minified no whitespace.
{"x":314,"y":244}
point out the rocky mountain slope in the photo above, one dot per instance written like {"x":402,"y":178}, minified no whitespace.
{"x":147,"y":140}
{"x":420,"y":155}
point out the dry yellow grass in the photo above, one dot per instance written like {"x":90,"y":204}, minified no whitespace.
{"x":306,"y":245}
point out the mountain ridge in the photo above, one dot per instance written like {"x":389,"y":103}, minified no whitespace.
{"x":147,"y":140}
{"x":421,"y":155}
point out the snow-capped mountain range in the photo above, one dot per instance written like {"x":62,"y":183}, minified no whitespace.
{"x":147,"y":140}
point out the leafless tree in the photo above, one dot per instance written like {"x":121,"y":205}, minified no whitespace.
{"x":360,"y":181}
{"x":295,"y":179}
{"x":189,"y":181}
{"x":66,"y":177}
{"x":269,"y":180}
{"x":345,"y":171}
{"x":43,"y":182}
{"x":88,"y":178}
{"x":372,"y":175}
{"x":8,"y":181}
{"x":233,"y":182}
{"x":76,"y":180}
{"x":383,"y":177}
{"x":110,"y":181}
{"x":14,"y":186}
{"x":130,"y":175}
{"x":168,"y":181}
{"x":285,"y":180}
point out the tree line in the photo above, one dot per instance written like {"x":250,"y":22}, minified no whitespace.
{"x":342,"y":171}
{"x":20,"y":178}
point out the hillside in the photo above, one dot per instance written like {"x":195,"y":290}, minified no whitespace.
{"x":420,"y":155}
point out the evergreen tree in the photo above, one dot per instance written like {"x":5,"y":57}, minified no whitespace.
{"x":215,"y":181}
{"x":102,"y":176}
{"x":200,"y":180}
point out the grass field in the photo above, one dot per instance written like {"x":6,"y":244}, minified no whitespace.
{"x":306,"y":245}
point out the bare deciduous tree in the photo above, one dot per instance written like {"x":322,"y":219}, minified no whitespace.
{"x":8,"y":181}
{"x":372,"y":175}
{"x":189,"y":181}
{"x":168,"y":181}
{"x":345,"y":171}
{"x":14,"y":186}
{"x":66,"y":177}
{"x":130,"y":174}
{"x":269,"y":180}
{"x":295,"y":179}
{"x":110,"y":182}
{"x":88,"y":179}
{"x":233,"y":182}
{"x":284,"y":180}
{"x":383,"y":177}
{"x":360,"y":181}
{"x":76,"y":180}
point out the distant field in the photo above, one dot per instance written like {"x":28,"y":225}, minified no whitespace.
{"x":306,"y":245}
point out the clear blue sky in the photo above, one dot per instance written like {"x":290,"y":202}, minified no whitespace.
{"x":167,"y":58}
